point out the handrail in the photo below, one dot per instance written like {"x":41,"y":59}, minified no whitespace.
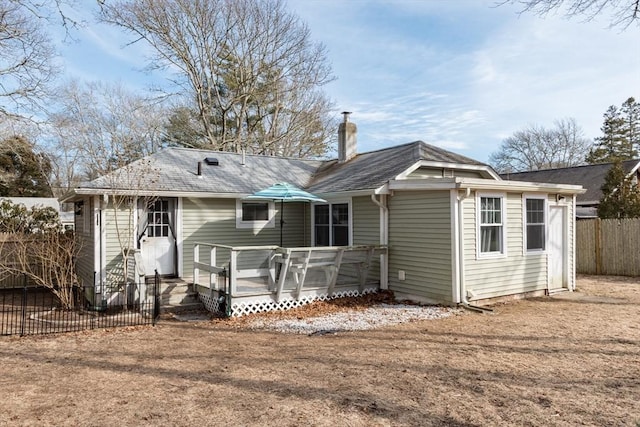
{"x":239,"y":248}
{"x":294,"y":261}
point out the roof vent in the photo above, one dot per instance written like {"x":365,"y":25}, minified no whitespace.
{"x":211,"y":161}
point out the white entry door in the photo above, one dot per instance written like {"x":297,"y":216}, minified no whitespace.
{"x":557,"y":248}
{"x":157,"y":243}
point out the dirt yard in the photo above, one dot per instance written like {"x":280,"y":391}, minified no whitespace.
{"x":550,"y":361}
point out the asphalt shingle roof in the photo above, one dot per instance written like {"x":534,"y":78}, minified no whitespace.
{"x":375,"y":168}
{"x":175,"y":169}
{"x":591,"y":177}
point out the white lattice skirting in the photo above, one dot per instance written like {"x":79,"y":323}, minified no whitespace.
{"x":241,"y":308}
{"x":210,"y":302}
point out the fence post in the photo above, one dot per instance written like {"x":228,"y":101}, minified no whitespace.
{"x":598,"y":241}
{"x":156,"y":297}
{"x":24,"y":305}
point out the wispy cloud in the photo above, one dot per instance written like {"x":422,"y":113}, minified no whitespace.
{"x":460,"y":74}
{"x":466,"y":74}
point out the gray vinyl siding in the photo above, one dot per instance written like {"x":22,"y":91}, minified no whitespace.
{"x":85,"y":232}
{"x":214,"y":221}
{"x":514,"y":273}
{"x":366,"y":228}
{"x":420,"y":244}
{"x":113,"y":251}
{"x":366,"y":221}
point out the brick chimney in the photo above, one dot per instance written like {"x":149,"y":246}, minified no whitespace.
{"x":347,"y":142}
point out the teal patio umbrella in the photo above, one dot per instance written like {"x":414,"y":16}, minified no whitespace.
{"x":284,"y":192}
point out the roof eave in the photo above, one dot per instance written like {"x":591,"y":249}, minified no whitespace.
{"x":448,"y":165}
{"x":149,"y":193}
{"x":482,"y":184}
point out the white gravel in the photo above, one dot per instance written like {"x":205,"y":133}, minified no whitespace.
{"x":355,"y":320}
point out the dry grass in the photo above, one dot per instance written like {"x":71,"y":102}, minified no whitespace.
{"x":547,"y":361}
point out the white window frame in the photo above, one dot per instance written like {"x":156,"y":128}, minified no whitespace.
{"x":257,"y":224}
{"x":503,"y":214}
{"x":330,"y":203}
{"x":545,"y":201}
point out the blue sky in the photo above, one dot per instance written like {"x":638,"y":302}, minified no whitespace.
{"x":460,"y":74}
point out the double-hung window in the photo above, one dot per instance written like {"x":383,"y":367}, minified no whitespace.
{"x":491,"y":225}
{"x":535,"y":229}
{"x":331,"y":224}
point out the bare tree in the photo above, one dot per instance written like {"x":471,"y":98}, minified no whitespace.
{"x":623,"y":12}
{"x":248,"y":68}
{"x":130,"y":189}
{"x":33,"y":244}
{"x":536,"y":148}
{"x":99,"y":128}
{"x":26,"y":66}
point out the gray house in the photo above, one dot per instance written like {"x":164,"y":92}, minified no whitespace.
{"x":430,"y":225}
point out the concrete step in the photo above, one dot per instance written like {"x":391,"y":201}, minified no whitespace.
{"x":176,"y":295}
{"x":180,"y":298}
{"x":194,"y":307}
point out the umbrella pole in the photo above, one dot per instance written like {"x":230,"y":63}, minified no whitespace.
{"x":281,"y":219}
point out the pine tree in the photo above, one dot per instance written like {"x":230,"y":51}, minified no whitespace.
{"x":620,"y":196}
{"x":630,"y":112}
{"x":614,"y":144}
{"x":23,"y":171}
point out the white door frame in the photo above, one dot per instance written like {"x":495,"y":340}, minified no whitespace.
{"x":172,"y":239}
{"x":564,"y":217}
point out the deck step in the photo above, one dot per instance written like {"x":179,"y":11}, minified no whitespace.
{"x":194,"y":307}
{"x":177,"y":295}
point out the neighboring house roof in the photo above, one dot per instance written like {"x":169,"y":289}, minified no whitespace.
{"x":591,"y":177}
{"x":585,"y":212}
{"x":175,"y":170}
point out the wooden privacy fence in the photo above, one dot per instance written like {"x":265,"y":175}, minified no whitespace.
{"x":608,"y":246}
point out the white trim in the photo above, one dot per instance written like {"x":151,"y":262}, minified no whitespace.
{"x":384,"y":238}
{"x":134,"y":222}
{"x":572,"y":264}
{"x":408,"y":171}
{"x":350,"y":194}
{"x":633,"y":170}
{"x":565,"y":244}
{"x":179,"y":236}
{"x":545,"y":199}
{"x":455,"y":247}
{"x":503,"y":217}
{"x":331,"y":202}
{"x":200,"y":194}
{"x":447,"y":165}
{"x":256,"y":225}
{"x":483,"y":184}
{"x":100,"y":236}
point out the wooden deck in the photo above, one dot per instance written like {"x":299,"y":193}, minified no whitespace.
{"x":242,"y":280}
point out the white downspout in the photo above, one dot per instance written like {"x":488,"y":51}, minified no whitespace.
{"x":461,"y":274}
{"x":384,"y":239}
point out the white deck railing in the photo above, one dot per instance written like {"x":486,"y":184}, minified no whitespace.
{"x":263,"y":270}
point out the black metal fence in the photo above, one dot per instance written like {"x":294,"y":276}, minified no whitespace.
{"x":36,"y":310}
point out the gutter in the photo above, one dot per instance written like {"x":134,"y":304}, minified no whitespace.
{"x":384,"y":239}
